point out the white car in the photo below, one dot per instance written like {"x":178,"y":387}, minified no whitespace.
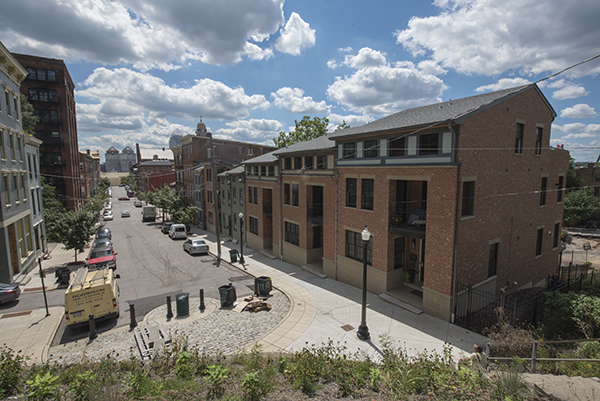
{"x":125,"y":213}
{"x":108,"y":215}
{"x":193,"y":246}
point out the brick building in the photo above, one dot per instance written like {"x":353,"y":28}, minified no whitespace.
{"x":50,"y":89}
{"x":89,"y":169}
{"x":465,"y":191}
{"x":154,"y":174}
{"x":590,"y":177}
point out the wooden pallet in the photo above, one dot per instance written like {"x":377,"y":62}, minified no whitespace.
{"x":149,"y":339}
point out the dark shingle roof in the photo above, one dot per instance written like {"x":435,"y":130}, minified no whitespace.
{"x":233,"y":171}
{"x":450,"y":111}
{"x":266,"y":158}
{"x":321,"y":143}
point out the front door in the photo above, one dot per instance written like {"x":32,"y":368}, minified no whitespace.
{"x":12,"y":243}
{"x":422,"y":262}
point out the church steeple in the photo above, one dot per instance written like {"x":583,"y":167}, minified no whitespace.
{"x":201,"y":129}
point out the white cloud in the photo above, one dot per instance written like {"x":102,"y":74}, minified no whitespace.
{"x":504,"y":83}
{"x":581,"y":110}
{"x":254,"y":130}
{"x":384,"y":90}
{"x":351,"y":120}
{"x":141,"y":32}
{"x":570,"y":92}
{"x":489,"y":37}
{"x":573,"y":127}
{"x":294,"y":101}
{"x":255,"y":52}
{"x":366,"y":57}
{"x":295,"y":36}
{"x":579,"y":136}
{"x":140,"y":91}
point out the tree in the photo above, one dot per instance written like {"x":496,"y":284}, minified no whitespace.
{"x":343,"y":125}
{"x":30,"y":120}
{"x":104,"y":184}
{"x":75,"y":229}
{"x":95,"y":203}
{"x":131,"y":181}
{"x":166,"y":199}
{"x":572,"y":181}
{"x":580,"y":204}
{"x":306,"y":129}
{"x":184,"y":215}
{"x":53,"y":210}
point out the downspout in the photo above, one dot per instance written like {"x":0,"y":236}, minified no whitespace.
{"x":335,"y":254}
{"x":456,"y":221}
{"x":280,"y":213}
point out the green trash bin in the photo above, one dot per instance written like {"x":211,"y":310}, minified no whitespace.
{"x":227,"y":295}
{"x":183,"y":303}
{"x":233,"y":255}
{"x":262,"y":285}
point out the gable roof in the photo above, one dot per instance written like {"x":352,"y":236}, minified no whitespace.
{"x":266,"y":158}
{"x":451,"y":111}
{"x":321,"y":143}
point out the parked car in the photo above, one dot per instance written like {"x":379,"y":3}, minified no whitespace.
{"x":137,"y":203}
{"x":125,"y":213}
{"x":9,"y":292}
{"x":100,"y":243}
{"x":177,"y":231}
{"x":108,"y":215}
{"x":194,"y":246}
{"x":123,"y":198}
{"x":103,"y":233}
{"x":101,"y":258}
{"x":166,"y":226}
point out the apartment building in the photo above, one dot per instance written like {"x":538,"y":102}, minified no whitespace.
{"x":465,"y":191}
{"x":231,"y":183}
{"x":89,"y":169}
{"x":18,"y":162}
{"x":50,"y":89}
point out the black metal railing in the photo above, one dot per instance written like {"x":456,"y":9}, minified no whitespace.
{"x":410,"y":214}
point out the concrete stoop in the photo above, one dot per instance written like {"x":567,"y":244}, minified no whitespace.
{"x":567,"y":388}
{"x":401,"y":304}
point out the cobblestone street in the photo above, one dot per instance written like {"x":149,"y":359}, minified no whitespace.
{"x":215,"y":331}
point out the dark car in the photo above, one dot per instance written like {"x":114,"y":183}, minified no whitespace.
{"x":9,"y":292}
{"x":166,"y":226}
{"x":101,"y":258}
{"x":103,"y":233}
{"x":102,"y":243}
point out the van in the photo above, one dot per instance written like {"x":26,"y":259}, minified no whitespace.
{"x":177,"y":231}
{"x":91,"y":292}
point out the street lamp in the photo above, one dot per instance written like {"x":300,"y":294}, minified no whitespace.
{"x":363,"y":330}
{"x":241,"y":238}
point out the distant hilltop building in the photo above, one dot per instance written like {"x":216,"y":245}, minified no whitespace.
{"x":119,"y":162}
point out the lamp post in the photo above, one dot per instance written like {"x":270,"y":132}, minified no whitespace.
{"x":241,"y":238}
{"x":363,"y":330}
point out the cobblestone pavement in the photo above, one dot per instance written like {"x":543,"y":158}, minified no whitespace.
{"x":215,"y":331}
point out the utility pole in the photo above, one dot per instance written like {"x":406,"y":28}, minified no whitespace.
{"x":217,"y":219}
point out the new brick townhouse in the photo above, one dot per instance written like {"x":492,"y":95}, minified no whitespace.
{"x":464,"y":191}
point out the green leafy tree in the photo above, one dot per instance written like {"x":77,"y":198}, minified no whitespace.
{"x":131,"y":181}
{"x":343,"y":125}
{"x":104,"y":184}
{"x":95,"y":203}
{"x":306,"y":129}
{"x":166,"y":199}
{"x":580,"y":204}
{"x":53,"y":210}
{"x":184,"y":215}
{"x":30,"y":120}
{"x":572,"y":181}
{"x":75,"y":229}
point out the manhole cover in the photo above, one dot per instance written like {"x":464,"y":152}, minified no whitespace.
{"x":347,"y":327}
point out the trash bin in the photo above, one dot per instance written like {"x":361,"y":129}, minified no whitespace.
{"x":233,"y":255}
{"x":227,"y":295}
{"x":64,"y":277}
{"x":183,"y":303}
{"x":262,"y":285}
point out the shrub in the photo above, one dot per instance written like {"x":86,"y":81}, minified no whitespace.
{"x":11,"y":366}
{"x":43,"y":387}
{"x":216,"y":377}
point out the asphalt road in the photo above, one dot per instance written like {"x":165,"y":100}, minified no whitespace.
{"x":151,"y":267}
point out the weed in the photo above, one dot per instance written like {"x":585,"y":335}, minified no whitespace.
{"x":216,"y":377}
{"x":43,"y":387}
{"x":11,"y":366}
{"x":184,"y":365}
{"x":81,"y":385}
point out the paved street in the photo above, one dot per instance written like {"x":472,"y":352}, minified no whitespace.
{"x":151,"y":267}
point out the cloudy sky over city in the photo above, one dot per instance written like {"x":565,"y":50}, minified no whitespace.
{"x":145,"y":70}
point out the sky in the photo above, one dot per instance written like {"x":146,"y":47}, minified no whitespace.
{"x":147,"y":69}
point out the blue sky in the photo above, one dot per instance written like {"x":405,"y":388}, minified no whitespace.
{"x":145,"y":69}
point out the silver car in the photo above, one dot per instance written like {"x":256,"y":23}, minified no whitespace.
{"x":9,"y":292}
{"x":194,"y":246}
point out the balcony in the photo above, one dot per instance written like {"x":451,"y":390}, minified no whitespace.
{"x":314,"y":213}
{"x":408,"y":220}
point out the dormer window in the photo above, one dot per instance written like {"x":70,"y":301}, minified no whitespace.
{"x":349,"y":150}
